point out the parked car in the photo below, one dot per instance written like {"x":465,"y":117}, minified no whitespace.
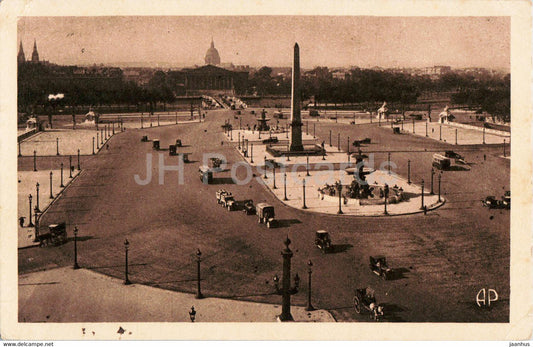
{"x":506,"y":199}
{"x":249,"y":207}
{"x":266,"y":214}
{"x":378,"y":265}
{"x":323,"y":241}
{"x":271,"y":139}
{"x":441,"y":162}
{"x":491,"y":202}
{"x":228,"y":201}
{"x":219,"y":194}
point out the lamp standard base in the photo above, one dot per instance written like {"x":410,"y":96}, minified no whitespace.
{"x":127,"y":282}
{"x":199,"y":296}
{"x":76,"y":266}
{"x":281,"y":319}
{"x":309,"y":308}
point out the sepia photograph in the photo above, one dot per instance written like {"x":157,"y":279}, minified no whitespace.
{"x":267,"y":168}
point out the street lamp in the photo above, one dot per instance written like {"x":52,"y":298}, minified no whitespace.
{"x":339,"y":188}
{"x":307,"y":165}
{"x":274,"y":177}
{"x":70,"y":165}
{"x":37,"y":202}
{"x":34,"y":160}
{"x":388,"y":163}
{"x":251,"y":153}
{"x":76,"y":266}
{"x":97,"y":140}
{"x":51,"y":195}
{"x":265,"y":167}
{"x":422,"y":205}
{"x":303,"y":187}
{"x":285,"y":186}
{"x":126,"y":248}
{"x":30,"y":224}
{"x":192,"y":314}
{"x":93,"y":145}
{"x":286,"y":290}
{"x":386,"y":195}
{"x":199,"y":294}
{"x":408,"y":171}
{"x":57,"y":146}
{"x":79,"y":160}
{"x":309,"y":272}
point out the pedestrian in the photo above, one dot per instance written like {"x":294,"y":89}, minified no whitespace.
{"x":21,"y":221}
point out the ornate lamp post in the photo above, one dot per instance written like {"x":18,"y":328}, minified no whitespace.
{"x":76,"y":266}
{"x":440,"y":132}
{"x":504,"y":148}
{"x":285,"y":186}
{"x":339,"y":141}
{"x":385,"y":195}
{"x":422,"y":191}
{"x":126,"y":248}
{"x":456,"y":136}
{"x":274,"y":177}
{"x":37,"y":195}
{"x":79,"y":160}
{"x":307,"y":165}
{"x":286,"y":290}
{"x":30,"y":224}
{"x":309,"y":272}
{"x":199,"y":294}
{"x":51,"y":195}
{"x":265,"y":167}
{"x":239,"y":139}
{"x":408,"y":171}
{"x":97,"y":140}
{"x":303,"y":188}
{"x":251,"y":153}
{"x":330,"y":138}
{"x":339,"y":188}
{"x":93,"y":145}
{"x":34,"y":160}
{"x":426,"y":129}
{"x":57,"y":146}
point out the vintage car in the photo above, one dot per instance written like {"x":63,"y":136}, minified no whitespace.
{"x":219,"y":194}
{"x":271,"y":139}
{"x":441,"y":162}
{"x":215,"y":162}
{"x":248,"y":207}
{"x":178,"y":143}
{"x":378,"y":265}
{"x":365,"y":300}
{"x":323,"y":241}
{"x":54,"y":236}
{"x":314,"y":113}
{"x":228,"y":201}
{"x":144,"y":138}
{"x":491,"y":202}
{"x":266,"y":214}
{"x":358,"y":143}
{"x":453,"y":155}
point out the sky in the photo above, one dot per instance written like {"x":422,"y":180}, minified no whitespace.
{"x":334,"y":41}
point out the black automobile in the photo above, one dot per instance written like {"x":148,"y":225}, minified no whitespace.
{"x":378,"y":265}
{"x":249,"y":207}
{"x":272,"y":139}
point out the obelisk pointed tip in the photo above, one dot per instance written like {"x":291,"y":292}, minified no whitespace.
{"x":296,"y":45}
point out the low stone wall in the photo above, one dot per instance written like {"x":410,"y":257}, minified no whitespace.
{"x":473,"y":127}
{"x":27,"y":134}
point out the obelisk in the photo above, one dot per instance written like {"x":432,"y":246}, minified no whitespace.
{"x":296,"y":118}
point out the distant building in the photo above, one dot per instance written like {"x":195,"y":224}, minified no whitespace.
{"x":211,"y":56}
{"x":21,"y":58}
{"x":35,"y":54}
{"x":339,"y":75}
{"x":209,"y":79}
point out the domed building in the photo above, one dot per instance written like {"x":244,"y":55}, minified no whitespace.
{"x":212,"y":57}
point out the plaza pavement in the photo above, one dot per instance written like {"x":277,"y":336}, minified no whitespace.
{"x":26,"y":185}
{"x":56,"y":296}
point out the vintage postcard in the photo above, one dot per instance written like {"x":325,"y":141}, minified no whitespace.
{"x":220,"y":170}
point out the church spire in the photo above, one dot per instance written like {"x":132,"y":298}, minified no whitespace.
{"x":212,"y":42}
{"x":35,"y":54}
{"x":21,"y":58}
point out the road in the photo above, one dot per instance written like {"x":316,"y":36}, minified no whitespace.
{"x":444,"y":258}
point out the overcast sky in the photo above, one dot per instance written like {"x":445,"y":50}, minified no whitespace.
{"x":268,"y":40}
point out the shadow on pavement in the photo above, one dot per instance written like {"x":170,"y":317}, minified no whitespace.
{"x":222,"y":180}
{"x":340,"y":248}
{"x":114,"y":266}
{"x":285,"y":223}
